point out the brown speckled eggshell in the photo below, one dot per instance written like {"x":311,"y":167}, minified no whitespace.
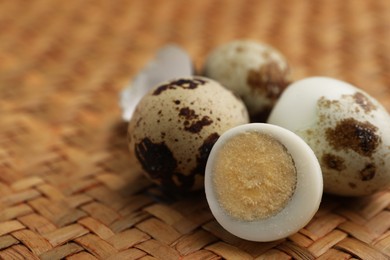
{"x":255,"y":71}
{"x":175,"y":126}
{"x":347,"y":129}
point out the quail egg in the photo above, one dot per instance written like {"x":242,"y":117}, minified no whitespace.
{"x":175,"y":125}
{"x":347,"y":129}
{"x":255,"y":71}
{"x":262,"y":182}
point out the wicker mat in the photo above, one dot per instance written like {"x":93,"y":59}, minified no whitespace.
{"x":68,"y":185}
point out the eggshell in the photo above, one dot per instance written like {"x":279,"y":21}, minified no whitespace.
{"x":175,"y":126}
{"x":347,"y":129}
{"x":255,"y":71}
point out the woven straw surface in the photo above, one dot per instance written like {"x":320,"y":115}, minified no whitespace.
{"x":68,"y":185}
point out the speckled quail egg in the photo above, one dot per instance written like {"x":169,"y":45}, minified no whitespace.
{"x":175,"y":126}
{"x":347,"y":129}
{"x":255,"y":71}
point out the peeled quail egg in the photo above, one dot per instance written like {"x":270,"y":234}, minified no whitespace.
{"x":256,"y":72}
{"x":170,"y":62}
{"x":262,"y":182}
{"x":175,"y":125}
{"x":347,"y":129}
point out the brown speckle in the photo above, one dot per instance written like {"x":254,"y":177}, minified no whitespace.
{"x":197,"y":126}
{"x":266,"y":55}
{"x":204,"y":151}
{"x":334,"y":162}
{"x":368,"y":172}
{"x":268,"y":79}
{"x":192,"y":123}
{"x":180,"y":83}
{"x":364,"y":102}
{"x":326,"y":103}
{"x":354,"y":135}
{"x":352,"y":185}
{"x":156,"y":159}
{"x":240,"y":49}
{"x":188,"y":113}
{"x":159,"y":163}
{"x":177,"y":102}
{"x":309,"y":132}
